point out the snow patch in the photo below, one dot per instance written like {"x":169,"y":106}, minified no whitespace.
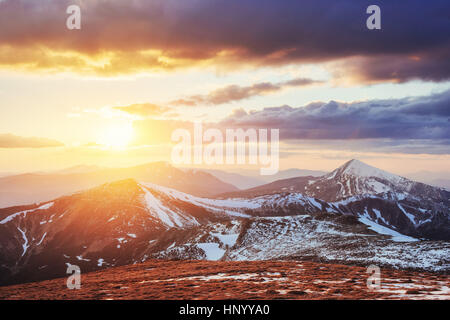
{"x":360,"y":169}
{"x":409,"y":215}
{"x":42,"y":239}
{"x":25,"y":212}
{"x":25,"y":246}
{"x":226,"y":239}
{"x":80,"y":258}
{"x":212,"y":250}
{"x":396,"y":236}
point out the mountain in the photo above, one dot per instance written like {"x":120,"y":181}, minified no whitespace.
{"x":236,"y":179}
{"x":437,"y":179}
{"x":115,"y":224}
{"x":128,"y":222}
{"x":442,"y":183}
{"x":351,"y":179}
{"x":28,"y":188}
{"x":411,"y":208}
{"x":292,"y":173}
{"x":79,"y":169}
{"x":249,"y":179}
{"x":4,"y":174}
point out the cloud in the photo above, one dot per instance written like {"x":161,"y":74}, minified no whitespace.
{"x":409,"y":125}
{"x":143,"y":109}
{"x":233,"y":93}
{"x":396,"y":68}
{"x":422,"y":118}
{"x":381,"y":145}
{"x":222,"y":95}
{"x":12,"y":141}
{"x":143,"y":35}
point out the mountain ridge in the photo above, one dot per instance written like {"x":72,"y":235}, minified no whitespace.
{"x":127,"y":222}
{"x":37,"y":187}
{"x":353,"y":168}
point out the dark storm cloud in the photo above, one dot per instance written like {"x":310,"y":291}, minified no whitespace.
{"x":414,"y":42}
{"x":424,"y":118}
{"x":419,"y":125}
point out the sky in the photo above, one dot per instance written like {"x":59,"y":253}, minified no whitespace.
{"x":111,"y":93}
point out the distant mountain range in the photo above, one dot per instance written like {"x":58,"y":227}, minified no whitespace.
{"x":26,"y":188}
{"x":353,"y":178}
{"x":253,"y":179}
{"x":437,"y":179}
{"x":38,"y":187}
{"x":356,"y":214}
{"x":410,"y":207}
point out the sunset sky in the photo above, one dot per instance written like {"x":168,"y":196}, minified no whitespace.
{"x":111,"y":93}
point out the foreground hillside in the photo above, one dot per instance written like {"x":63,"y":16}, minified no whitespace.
{"x":249,"y":280}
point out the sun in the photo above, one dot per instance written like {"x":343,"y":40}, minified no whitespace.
{"x":117,"y":136}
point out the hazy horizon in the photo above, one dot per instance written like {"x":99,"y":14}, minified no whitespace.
{"x":425,"y":176}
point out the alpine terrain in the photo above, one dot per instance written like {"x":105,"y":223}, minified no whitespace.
{"x":356,"y":215}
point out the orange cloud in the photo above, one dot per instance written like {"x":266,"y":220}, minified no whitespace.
{"x":233,"y":93}
{"x":143,"y":109}
{"x":13,"y":141}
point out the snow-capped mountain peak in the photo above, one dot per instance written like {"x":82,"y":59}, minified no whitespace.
{"x":360,"y":169}
{"x":356,"y":178}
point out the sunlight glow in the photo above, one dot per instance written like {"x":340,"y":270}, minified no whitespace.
{"x":117,"y":136}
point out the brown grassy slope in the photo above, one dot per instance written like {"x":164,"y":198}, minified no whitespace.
{"x":175,"y":280}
